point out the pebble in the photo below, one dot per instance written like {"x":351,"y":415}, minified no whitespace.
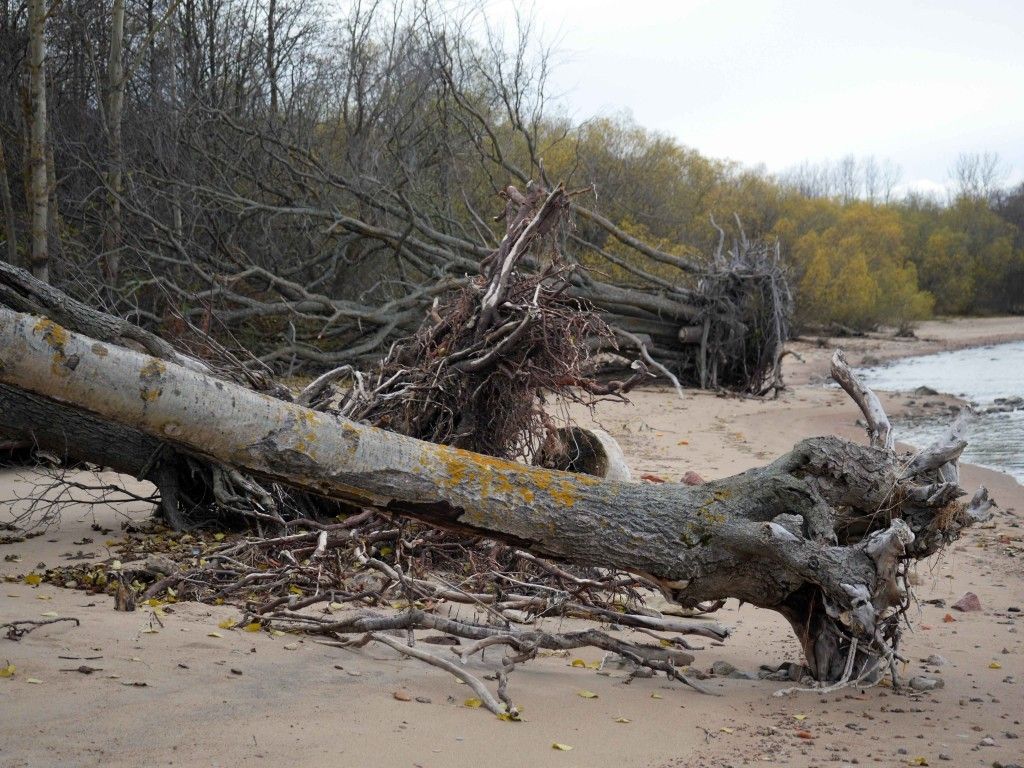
{"x":922,"y":683}
{"x":722,"y":668}
{"x":936,"y":661}
{"x":988,"y":741}
{"x":944,"y":756}
{"x":969,"y":602}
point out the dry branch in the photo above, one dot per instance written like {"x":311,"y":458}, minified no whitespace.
{"x":822,"y":535}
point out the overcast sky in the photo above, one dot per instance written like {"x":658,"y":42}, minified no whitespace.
{"x":775,"y":83}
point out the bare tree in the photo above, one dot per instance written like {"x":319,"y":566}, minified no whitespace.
{"x":38,"y":186}
{"x":115,"y":160}
{"x":977,"y":174}
{"x":10,"y":226}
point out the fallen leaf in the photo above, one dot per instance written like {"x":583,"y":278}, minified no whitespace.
{"x":291,"y":646}
{"x":657,"y":696}
{"x":918,"y":761}
{"x":683,"y":442}
{"x":586,"y":694}
{"x":226,"y":624}
{"x":801,"y":718}
{"x":253,"y":626}
{"x":218,"y":537}
{"x":473,"y":703}
{"x":948,"y":618}
{"x":33,"y":579}
{"x":151,"y":631}
{"x":805,"y":735}
{"x":33,"y":680}
{"x":727,"y":730}
{"x":50,"y":615}
{"x":214,"y":634}
{"x":995,"y":665}
{"x":623,"y":720}
{"x":578,"y":663}
{"x":561,"y":747}
{"x":652,"y":478}
{"x":8,"y":671}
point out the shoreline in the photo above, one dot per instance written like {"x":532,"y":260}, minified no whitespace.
{"x":296,"y":701}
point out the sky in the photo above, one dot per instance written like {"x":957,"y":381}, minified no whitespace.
{"x":773,"y":83}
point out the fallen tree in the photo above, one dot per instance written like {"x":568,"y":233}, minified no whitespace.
{"x":824,"y":534}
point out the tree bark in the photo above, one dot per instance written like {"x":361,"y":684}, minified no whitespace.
{"x":38,"y":193}
{"x":803,"y":535}
{"x":10,"y":227}
{"x":115,"y":163}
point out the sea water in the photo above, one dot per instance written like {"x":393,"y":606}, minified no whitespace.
{"x":979,"y":375}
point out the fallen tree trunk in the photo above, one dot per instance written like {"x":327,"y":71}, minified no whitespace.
{"x":822,"y":535}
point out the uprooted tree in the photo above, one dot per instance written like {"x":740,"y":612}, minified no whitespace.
{"x":823,"y":535}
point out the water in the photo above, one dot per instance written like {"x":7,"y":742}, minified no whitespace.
{"x":979,"y":375}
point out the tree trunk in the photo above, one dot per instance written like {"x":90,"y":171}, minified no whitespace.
{"x":115,"y":163}
{"x":38,"y":195}
{"x":10,"y":227}
{"x":803,"y":535}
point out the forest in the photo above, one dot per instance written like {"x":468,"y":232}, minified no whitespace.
{"x":302,"y":184}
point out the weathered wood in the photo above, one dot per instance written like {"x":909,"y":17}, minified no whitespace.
{"x":802,"y":535}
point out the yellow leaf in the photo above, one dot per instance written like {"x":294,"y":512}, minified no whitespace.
{"x":294,"y":590}
{"x":578,"y":663}
{"x":254,"y":626}
{"x":594,"y":665}
{"x":226,"y":624}
{"x":727,"y":730}
{"x":995,"y":665}
{"x":801,"y":718}
{"x":586,"y":694}
{"x":218,"y":537}
{"x":473,"y":703}
{"x":656,"y":696}
{"x":214,"y":634}
{"x":33,"y":579}
{"x":623,"y":720}
{"x":150,"y":631}
{"x":49,"y":615}
{"x":33,"y":680}
{"x":218,"y":601}
{"x":561,"y":747}
{"x":7,"y":671}
{"x":153,"y":602}
{"x":918,"y":761}
{"x":277,"y":633}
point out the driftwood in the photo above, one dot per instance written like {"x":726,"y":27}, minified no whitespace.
{"x":823,"y":535}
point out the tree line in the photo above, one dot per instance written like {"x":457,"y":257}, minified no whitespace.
{"x":302,"y":183}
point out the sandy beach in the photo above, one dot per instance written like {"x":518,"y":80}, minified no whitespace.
{"x":255,"y":699}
